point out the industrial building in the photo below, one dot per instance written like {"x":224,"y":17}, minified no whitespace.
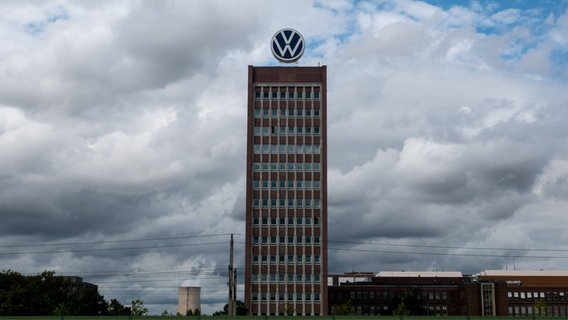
{"x":488,"y":293}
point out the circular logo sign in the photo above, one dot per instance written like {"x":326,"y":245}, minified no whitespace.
{"x":287,"y":45}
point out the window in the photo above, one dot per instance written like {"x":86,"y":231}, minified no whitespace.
{"x":255,"y":184}
{"x":308,"y":94}
{"x":299,"y":94}
{"x":316,"y":148}
{"x":316,"y":95}
{"x":257,"y":94}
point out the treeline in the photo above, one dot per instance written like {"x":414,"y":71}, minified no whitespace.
{"x":46,"y":294}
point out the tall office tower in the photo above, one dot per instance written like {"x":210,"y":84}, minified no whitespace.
{"x":286,"y":191}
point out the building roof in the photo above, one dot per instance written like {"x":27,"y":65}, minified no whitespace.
{"x":524,"y":273}
{"x":425,"y":274}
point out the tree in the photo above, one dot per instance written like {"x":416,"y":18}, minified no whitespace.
{"x":138,"y":308}
{"x":412,"y":301}
{"x":400,"y":310}
{"x":540,"y":308}
{"x":241,"y":310}
{"x":115,"y":308}
{"x":343,"y":309}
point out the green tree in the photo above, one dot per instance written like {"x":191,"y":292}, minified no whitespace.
{"x":400,"y":310}
{"x":138,"y":308}
{"x":343,"y":309}
{"x":540,"y":308}
{"x":241,"y":310}
{"x":115,"y":308}
{"x":412,"y":300}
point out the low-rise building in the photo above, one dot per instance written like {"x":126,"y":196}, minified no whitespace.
{"x":488,"y":293}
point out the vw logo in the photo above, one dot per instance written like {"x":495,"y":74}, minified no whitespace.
{"x":287,"y":45}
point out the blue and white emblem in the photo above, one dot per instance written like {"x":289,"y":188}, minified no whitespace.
{"x":287,"y":45}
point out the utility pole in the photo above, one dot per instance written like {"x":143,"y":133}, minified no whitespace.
{"x":232,"y":303}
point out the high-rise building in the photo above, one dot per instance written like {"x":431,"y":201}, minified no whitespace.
{"x":286,"y":191}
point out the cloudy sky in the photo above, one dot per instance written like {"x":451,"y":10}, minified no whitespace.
{"x":123,"y":124}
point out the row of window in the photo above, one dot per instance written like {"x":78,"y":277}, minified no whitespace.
{"x":281,"y":296}
{"x":286,"y":203}
{"x":532,"y":310}
{"x":273,"y":259}
{"x":372,"y":295}
{"x":298,"y":221}
{"x":283,"y":113}
{"x":286,"y":148}
{"x":536,"y":295}
{"x":290,"y":184}
{"x":375,"y":310}
{"x":286,"y":277}
{"x":286,"y":167}
{"x":286,"y":240}
{"x":285,"y":130}
{"x":285,"y":93}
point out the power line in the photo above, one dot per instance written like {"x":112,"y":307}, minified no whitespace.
{"x":450,"y":254}
{"x":448,"y":247}
{"x":110,"y":249}
{"x":113,"y":241}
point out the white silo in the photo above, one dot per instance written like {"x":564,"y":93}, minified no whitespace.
{"x":189,"y":298}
